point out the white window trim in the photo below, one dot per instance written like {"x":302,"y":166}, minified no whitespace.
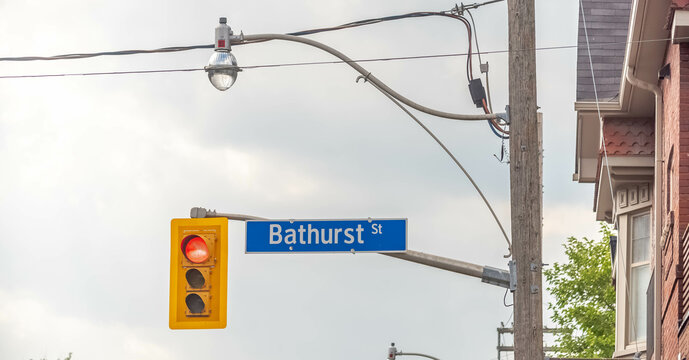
{"x":623,"y":261}
{"x":632,"y":265}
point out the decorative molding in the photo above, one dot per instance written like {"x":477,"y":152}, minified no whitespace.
{"x":622,"y":198}
{"x":644,"y":193}
{"x":632,"y":196}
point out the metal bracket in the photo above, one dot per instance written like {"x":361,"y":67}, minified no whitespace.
{"x":495,"y":276}
{"x":506,"y":115}
{"x":499,"y":277}
{"x":534,"y":289}
{"x":236,"y":39}
{"x":484,"y":67}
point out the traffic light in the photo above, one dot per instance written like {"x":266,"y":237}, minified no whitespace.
{"x":198,"y":274}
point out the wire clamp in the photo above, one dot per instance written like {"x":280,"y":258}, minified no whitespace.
{"x":484,"y":67}
{"x":363,"y":77}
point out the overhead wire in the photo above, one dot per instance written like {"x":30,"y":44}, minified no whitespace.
{"x":454,"y":14}
{"x":101,"y":73}
{"x":264,"y":66}
{"x":495,"y":127}
{"x":194,"y":47}
{"x":449,"y":14}
{"x":454,"y":159}
{"x":106,"y":53}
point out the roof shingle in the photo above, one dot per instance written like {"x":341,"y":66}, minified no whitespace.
{"x":624,"y":136}
{"x":607,"y":24}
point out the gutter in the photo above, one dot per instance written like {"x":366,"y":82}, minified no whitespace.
{"x":657,"y":182}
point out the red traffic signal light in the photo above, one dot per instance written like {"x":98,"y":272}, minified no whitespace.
{"x":195,"y":249}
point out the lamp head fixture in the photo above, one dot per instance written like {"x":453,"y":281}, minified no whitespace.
{"x":222,"y":67}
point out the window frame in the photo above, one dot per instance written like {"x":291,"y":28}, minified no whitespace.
{"x":624,"y":346}
{"x":629,"y":292}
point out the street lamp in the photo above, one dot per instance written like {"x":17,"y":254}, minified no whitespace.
{"x":393,"y":353}
{"x":222,"y":66}
{"x":222,"y":69}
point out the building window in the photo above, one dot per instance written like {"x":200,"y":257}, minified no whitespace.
{"x":639,"y":275}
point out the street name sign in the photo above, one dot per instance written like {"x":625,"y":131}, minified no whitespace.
{"x":307,"y":236}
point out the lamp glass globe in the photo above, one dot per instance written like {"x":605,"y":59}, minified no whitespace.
{"x":222,"y":79}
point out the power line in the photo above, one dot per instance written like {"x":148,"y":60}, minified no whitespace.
{"x":454,"y":159}
{"x":262,"y":66}
{"x":99,"y":73}
{"x":308,"y":63}
{"x":106,"y":53}
{"x":196,"y":47}
{"x":354,"y":24}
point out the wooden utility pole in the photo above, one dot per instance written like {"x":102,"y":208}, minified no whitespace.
{"x":525,"y":182}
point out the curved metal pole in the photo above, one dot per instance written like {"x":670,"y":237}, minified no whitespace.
{"x":367,"y":75}
{"x":199,"y":212}
{"x":418,"y":354}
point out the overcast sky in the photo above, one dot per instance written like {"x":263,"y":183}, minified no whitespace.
{"x":94,"y":168}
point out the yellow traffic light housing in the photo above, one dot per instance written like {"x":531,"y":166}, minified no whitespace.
{"x":198,"y":274}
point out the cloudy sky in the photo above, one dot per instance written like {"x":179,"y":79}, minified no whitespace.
{"x":95,"y":167}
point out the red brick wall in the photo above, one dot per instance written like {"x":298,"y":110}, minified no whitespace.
{"x":680,"y":192}
{"x":680,"y":4}
{"x":676,"y":153}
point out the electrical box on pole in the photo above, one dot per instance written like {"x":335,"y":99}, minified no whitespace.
{"x":198,"y":274}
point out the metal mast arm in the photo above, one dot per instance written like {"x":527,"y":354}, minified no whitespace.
{"x":417,"y":354}
{"x":487,"y":274}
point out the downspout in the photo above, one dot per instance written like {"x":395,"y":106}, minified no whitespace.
{"x":657,"y":212}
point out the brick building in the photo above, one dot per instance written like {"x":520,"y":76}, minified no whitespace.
{"x":632,"y":142}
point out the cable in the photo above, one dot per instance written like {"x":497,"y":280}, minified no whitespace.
{"x":490,"y":101}
{"x":504,"y":299}
{"x":100,"y":73}
{"x":473,"y":25}
{"x":480,"y":62}
{"x":494,"y":126}
{"x":107,"y":53}
{"x":495,"y":131}
{"x":397,"y":17}
{"x":193,"y":47}
{"x":371,"y":78}
{"x":488,"y":108}
{"x":264,"y":66}
{"x":454,"y":159}
{"x":374,"y":21}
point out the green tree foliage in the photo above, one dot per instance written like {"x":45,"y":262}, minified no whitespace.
{"x":69,"y":357}
{"x":584,"y":304}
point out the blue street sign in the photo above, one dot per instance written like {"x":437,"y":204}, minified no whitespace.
{"x":302,"y":236}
